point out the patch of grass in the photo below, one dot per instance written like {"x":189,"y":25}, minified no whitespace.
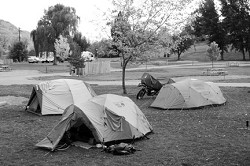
{"x":206,"y":136}
{"x":199,"y":53}
{"x":16,"y":90}
{"x":42,"y":67}
{"x":242,"y":80}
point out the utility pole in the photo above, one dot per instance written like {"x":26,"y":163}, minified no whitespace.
{"x":19,"y":35}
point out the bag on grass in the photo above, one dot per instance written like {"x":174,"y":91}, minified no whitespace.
{"x":120,"y":149}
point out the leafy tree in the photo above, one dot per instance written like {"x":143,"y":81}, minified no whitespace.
{"x":134,"y":29}
{"x":94,"y":48}
{"x":34,"y":37}
{"x":165,"y":40}
{"x":102,"y":48}
{"x":1,"y":51}
{"x":57,"y":20}
{"x":47,"y":36}
{"x":4,"y":43}
{"x":32,"y":53}
{"x":18,"y":52}
{"x":236,"y":19}
{"x":248,"y":39}
{"x":180,"y":43}
{"x":213,"y":52}
{"x":81,"y":41}
{"x":62,"y":47}
{"x":207,"y":23}
{"x":75,"y":58}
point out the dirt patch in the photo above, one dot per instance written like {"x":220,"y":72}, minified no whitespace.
{"x":13,"y":100}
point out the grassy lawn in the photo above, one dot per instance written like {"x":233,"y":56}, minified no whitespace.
{"x":209,"y":136}
{"x":42,"y":67}
{"x":206,"y":136}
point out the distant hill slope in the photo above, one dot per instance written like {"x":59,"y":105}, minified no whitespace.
{"x":9,"y":34}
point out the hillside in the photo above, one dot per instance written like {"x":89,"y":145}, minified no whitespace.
{"x":9,"y":34}
{"x":199,"y":53}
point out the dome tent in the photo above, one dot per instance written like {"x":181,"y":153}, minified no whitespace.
{"x":104,"y":118}
{"x":189,"y":93}
{"x":52,"y":97}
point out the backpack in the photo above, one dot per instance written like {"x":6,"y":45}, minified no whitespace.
{"x":120,"y":149}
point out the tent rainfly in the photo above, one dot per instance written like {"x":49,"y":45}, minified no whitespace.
{"x":189,"y":93}
{"x":104,"y":119}
{"x":52,"y":97}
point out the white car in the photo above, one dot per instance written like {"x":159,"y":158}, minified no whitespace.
{"x":88,"y":56}
{"x":33,"y":59}
{"x":48,"y":59}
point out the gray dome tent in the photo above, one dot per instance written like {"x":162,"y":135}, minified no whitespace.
{"x":189,"y":93}
{"x":104,"y":118}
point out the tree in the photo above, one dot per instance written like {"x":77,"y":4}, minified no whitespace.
{"x":62,"y":47}
{"x":1,"y":51}
{"x":34,"y":37}
{"x":94,"y":48}
{"x":81,"y":41}
{"x":75,"y":58}
{"x":248,"y":38}
{"x":213,"y":52}
{"x":236,"y":19}
{"x":32,"y":53}
{"x":4,"y":44}
{"x":165,"y":40}
{"x":57,"y":20}
{"x":18,"y":52}
{"x":180,"y":43}
{"x":135,"y":26}
{"x":207,"y":23}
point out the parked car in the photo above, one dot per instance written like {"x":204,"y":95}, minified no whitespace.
{"x":88,"y":56}
{"x":48,"y":59}
{"x":33,"y":59}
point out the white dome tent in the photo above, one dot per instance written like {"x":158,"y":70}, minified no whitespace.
{"x":52,"y":97}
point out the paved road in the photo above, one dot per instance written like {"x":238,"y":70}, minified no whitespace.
{"x":24,"y":77}
{"x":27,"y":76}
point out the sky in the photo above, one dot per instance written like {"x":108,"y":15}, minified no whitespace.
{"x":25,"y":14}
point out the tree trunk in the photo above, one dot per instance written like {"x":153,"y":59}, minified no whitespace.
{"x":36,"y":47}
{"x":123,"y":79}
{"x":179,"y":57}
{"x":243,"y":54}
{"x":124,"y":64}
{"x":222,"y":55}
{"x":54,"y":62}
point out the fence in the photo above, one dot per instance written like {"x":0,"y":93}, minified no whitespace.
{"x":97,"y":67}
